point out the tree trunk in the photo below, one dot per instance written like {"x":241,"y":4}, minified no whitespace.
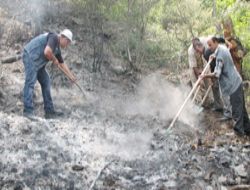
{"x":228,"y":27}
{"x":214,"y":13}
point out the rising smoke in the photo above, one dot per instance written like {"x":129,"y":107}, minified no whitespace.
{"x":154,"y":97}
{"x":30,"y":13}
{"x":161,"y":99}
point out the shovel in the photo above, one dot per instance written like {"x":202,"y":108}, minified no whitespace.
{"x":198,"y":108}
{"x":206,"y":95}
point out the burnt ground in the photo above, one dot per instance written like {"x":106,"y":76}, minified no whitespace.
{"x":121,"y":124}
{"x":106,"y":128}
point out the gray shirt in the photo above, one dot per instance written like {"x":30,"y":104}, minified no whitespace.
{"x":226,"y":72}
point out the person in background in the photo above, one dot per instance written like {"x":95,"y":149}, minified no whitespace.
{"x":231,"y":85}
{"x":37,"y":53}
{"x":196,"y":65}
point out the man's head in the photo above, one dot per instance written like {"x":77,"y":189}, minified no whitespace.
{"x":213,"y":43}
{"x":66,"y":38}
{"x":197,"y":45}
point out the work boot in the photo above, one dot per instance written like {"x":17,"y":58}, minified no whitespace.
{"x":239,"y":132}
{"x":29,"y":115}
{"x":247,"y":131}
{"x":53,"y":114}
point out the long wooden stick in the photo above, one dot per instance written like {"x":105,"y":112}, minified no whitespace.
{"x":196,"y":92}
{"x":206,"y":95}
{"x":99,"y":174}
{"x":188,"y":97}
{"x":72,"y":81}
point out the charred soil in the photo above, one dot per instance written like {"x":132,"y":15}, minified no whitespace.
{"x":116,"y":137}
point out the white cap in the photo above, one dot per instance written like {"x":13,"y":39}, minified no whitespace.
{"x":68,"y":34}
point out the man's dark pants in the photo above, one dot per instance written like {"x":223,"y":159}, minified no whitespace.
{"x":239,"y":112}
{"x":32,"y":74}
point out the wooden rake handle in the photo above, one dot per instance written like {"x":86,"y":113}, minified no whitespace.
{"x":188,"y":97}
{"x":66,"y":74}
{"x":196,"y":93}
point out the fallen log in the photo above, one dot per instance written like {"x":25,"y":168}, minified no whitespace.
{"x":240,"y":187}
{"x":11,"y":59}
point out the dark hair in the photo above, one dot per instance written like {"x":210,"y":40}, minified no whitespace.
{"x":195,"y":39}
{"x":196,"y":42}
{"x":219,"y":39}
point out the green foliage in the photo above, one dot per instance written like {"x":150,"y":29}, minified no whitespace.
{"x":117,"y":11}
{"x":223,"y":5}
{"x":239,"y":12}
{"x":158,"y":32}
{"x":156,"y":13}
{"x":241,"y":20}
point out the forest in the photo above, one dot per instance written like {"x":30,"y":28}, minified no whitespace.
{"x":157,"y":33}
{"x":122,"y":124}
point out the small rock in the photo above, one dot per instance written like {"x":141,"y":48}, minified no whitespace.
{"x":225,"y":161}
{"x":209,"y":188}
{"x":238,"y":180}
{"x":138,"y":178}
{"x":223,"y":188}
{"x":14,"y":170}
{"x":45,"y":172}
{"x":222,"y":179}
{"x":109,"y":181}
{"x":16,"y":71}
{"x":246,"y":150}
{"x":170,"y":184}
{"x":18,"y":186}
{"x":240,"y":170}
{"x":77,"y":168}
{"x":162,"y":187}
{"x":19,"y":104}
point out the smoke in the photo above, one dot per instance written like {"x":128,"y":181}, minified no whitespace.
{"x":31,"y":13}
{"x":155,"y":97}
{"x":158,"y":98}
{"x":128,"y":146}
{"x":24,"y":10}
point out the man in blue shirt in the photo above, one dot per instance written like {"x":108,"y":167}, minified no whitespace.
{"x":37,"y":53}
{"x":231,"y":85}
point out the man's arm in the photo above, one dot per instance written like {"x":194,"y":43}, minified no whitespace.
{"x":217,"y":70}
{"x":49,"y":55}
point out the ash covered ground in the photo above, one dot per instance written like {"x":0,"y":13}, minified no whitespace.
{"x":116,"y":137}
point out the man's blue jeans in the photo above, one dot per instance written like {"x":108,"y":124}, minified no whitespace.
{"x":32,"y":74}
